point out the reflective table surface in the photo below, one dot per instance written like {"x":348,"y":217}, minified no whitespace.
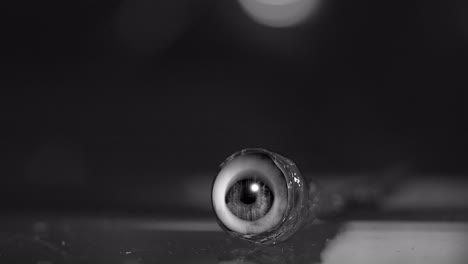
{"x":405,"y":230}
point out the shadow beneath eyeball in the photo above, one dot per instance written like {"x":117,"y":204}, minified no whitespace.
{"x":304,"y":247}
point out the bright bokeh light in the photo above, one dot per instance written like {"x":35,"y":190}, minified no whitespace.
{"x":280,"y":13}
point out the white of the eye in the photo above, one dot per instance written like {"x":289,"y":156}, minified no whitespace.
{"x":231,"y":173}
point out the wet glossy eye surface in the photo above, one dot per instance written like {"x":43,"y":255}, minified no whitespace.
{"x":250,"y":194}
{"x":249,"y":199}
{"x":259,"y":196}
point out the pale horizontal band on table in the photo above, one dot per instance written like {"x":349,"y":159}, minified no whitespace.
{"x":163,"y":225}
{"x":399,"y":242}
{"x":183,"y":226}
{"x":362,"y":226}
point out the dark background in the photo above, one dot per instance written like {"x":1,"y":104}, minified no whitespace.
{"x":126,"y":103}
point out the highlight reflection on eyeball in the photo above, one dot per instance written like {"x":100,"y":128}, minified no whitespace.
{"x":260,"y":196}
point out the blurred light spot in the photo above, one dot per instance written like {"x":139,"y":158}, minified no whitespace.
{"x":399,"y":242}
{"x":279,"y":13}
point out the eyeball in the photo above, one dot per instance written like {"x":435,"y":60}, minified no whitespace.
{"x":250,"y":194}
{"x":259,"y":196}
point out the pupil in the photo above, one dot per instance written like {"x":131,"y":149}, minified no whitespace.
{"x":249,"y":199}
{"x":247,"y":195}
